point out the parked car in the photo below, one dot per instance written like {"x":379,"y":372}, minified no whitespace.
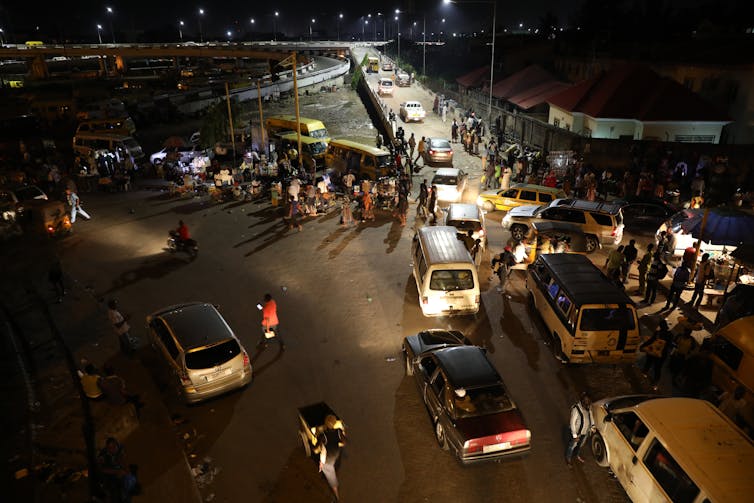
{"x":183,"y":154}
{"x":439,"y":151}
{"x":450,"y":183}
{"x":200,"y":350}
{"x":519,"y":194}
{"x":465,"y":218}
{"x":402,"y":79}
{"x":601,"y":222}
{"x":385,"y":86}
{"x":642,"y":215}
{"x":471,"y":410}
{"x":387,"y":66}
{"x":21,"y":197}
{"x":412,"y":111}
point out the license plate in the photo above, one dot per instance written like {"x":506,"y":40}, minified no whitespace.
{"x":218,"y":375}
{"x":496,"y":447}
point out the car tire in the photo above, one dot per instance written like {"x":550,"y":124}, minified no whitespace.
{"x":592,"y":244}
{"x":518,"y":232}
{"x":599,"y":451}
{"x":442,"y":440}
{"x":407,"y":361}
{"x":488,"y":206}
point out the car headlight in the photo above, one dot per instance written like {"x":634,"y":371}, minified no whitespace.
{"x":480,"y":201}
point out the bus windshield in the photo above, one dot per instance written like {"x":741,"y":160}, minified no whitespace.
{"x":318,"y":133}
{"x":608,"y":318}
{"x":318,"y":147}
{"x":451,"y":279}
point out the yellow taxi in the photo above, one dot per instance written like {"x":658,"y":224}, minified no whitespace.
{"x":519,"y":194}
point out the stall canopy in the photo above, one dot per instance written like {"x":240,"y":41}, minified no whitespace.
{"x":721,"y":226}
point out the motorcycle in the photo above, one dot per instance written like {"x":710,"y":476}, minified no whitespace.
{"x":176,"y":244}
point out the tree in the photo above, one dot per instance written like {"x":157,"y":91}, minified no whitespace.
{"x":215,"y":128}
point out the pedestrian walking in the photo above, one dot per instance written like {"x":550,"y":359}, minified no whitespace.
{"x":505,"y":178}
{"x":270,"y":322}
{"x":331,"y":441}
{"x":368,"y":204}
{"x":471,"y":244}
{"x":629,"y":257}
{"x":704,"y":272}
{"x":120,"y":326}
{"x":657,"y":271}
{"x":680,"y":278}
{"x":411,"y":145}
{"x":444,"y":112}
{"x":454,"y":131}
{"x":421,"y":151}
{"x":432,"y":205}
{"x":656,"y":350}
{"x":501,"y":265}
{"x":55,"y":276}
{"x":421,"y":208}
{"x":293,"y":214}
{"x":75,"y":203}
{"x":614,"y":264}
{"x":580,"y":425}
{"x":346,"y":213}
{"x":644,"y":269}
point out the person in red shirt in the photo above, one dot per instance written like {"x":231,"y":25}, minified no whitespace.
{"x":183,"y":231}
{"x":270,"y":321}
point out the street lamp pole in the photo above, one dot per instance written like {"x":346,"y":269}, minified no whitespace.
{"x":398,"y":34}
{"x":99,"y":33}
{"x":199,"y":18}
{"x":310,"y":29}
{"x":424,"y":47}
{"x":110,"y":19}
{"x":363,"y":37}
{"x":251,"y":31}
{"x":275,"y":26}
{"x":180,"y":30}
{"x":340,"y":17}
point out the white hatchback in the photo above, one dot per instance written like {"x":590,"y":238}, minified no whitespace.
{"x":385,"y":86}
{"x":412,"y":111}
{"x":450,"y":183}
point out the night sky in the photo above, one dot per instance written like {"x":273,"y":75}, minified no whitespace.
{"x":48,"y":20}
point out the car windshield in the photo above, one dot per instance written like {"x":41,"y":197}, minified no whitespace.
{"x":451,"y":279}
{"x":481,"y":401}
{"x":439,"y":144}
{"x":384,"y":160}
{"x":609,"y":318}
{"x":29,"y":193}
{"x":445,"y":180}
{"x":212,"y":356}
{"x":318,"y":133}
{"x":386,"y":83}
{"x":318,"y":147}
{"x":466,"y":225}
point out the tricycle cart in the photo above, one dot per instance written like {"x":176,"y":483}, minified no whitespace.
{"x":311,"y":425}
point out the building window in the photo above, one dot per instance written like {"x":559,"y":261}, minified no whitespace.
{"x":556,"y":122}
{"x":567,"y":127}
{"x":690,"y":138}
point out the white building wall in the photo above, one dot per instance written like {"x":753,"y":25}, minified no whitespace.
{"x":682,"y":131}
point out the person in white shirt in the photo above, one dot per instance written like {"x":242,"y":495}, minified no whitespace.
{"x":519,"y":252}
{"x":580,"y":425}
{"x":75,"y":203}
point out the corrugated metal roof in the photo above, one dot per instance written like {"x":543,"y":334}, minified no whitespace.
{"x":442,"y":246}
{"x":521,"y":82}
{"x":633,"y":91}
{"x":475,"y":78}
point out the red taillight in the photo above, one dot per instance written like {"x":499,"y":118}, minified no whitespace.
{"x":50,"y":229}
{"x":185,"y":379}
{"x":477,"y":299}
{"x":615,"y":231}
{"x":425,"y":300}
{"x":431,"y":152}
{"x":499,"y":442}
{"x":245,"y":359}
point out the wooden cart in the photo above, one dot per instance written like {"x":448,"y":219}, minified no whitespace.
{"x":311,"y":425}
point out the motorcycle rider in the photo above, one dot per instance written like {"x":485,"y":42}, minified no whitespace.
{"x":182,"y":232}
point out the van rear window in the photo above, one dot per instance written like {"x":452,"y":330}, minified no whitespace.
{"x":608,"y":318}
{"x":445,"y":180}
{"x":466,"y":225}
{"x":451,"y":279}
{"x":213,"y":356}
{"x":318,"y":133}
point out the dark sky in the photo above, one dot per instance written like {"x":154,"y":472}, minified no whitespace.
{"x":82,"y":16}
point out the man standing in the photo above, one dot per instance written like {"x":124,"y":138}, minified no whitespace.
{"x":421,"y":209}
{"x":432,"y":204}
{"x":657,"y":271}
{"x":411,"y":145}
{"x":703,"y":273}
{"x":75,"y":203}
{"x":120,"y":325}
{"x":580,"y":425}
{"x":614,"y":263}
{"x":454,"y":131}
{"x":422,"y":150}
{"x":644,"y":268}
{"x":501,"y":265}
{"x":270,"y":322}
{"x":330,"y":442}
{"x":629,"y":255}
{"x":680,"y":278}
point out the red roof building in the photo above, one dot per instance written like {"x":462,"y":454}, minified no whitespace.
{"x":632,"y":101}
{"x":475,"y":78}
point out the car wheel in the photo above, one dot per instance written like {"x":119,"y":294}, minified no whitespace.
{"x":440,"y":435}
{"x":599,"y":451}
{"x":518,"y":232}
{"x":409,"y":368}
{"x":488,"y":206}
{"x":591,"y":244}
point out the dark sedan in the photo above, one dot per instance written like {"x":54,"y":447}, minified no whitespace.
{"x":471,"y":410}
{"x":643,"y":215}
{"x":439,"y":152}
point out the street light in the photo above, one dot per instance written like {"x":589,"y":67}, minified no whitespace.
{"x":229,"y":34}
{"x":252,"y":25}
{"x":340,"y":17}
{"x":492,"y":57}
{"x":199,"y":18}
{"x":180,"y":30}
{"x":2,"y":37}
{"x":110,"y":18}
{"x":366,"y":22}
{"x":310,"y":28}
{"x":398,"y":32}
{"x":383,"y":25}
{"x":275,"y":25}
{"x":99,"y":33}
{"x":412,"y":30}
